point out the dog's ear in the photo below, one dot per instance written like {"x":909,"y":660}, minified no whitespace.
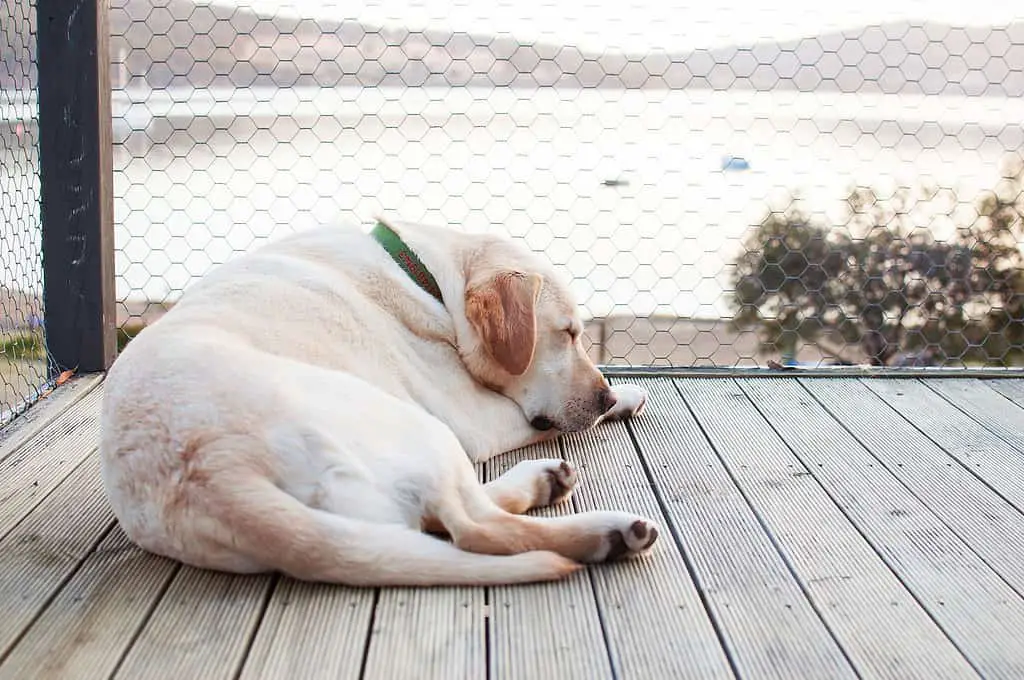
{"x":503,"y":313}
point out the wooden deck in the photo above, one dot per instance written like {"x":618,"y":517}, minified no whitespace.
{"x":819,"y":528}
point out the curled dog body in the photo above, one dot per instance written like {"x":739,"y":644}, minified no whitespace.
{"x":315,"y":408}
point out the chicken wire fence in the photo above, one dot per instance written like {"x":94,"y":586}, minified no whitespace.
{"x":724,"y":186}
{"x":24,"y":367}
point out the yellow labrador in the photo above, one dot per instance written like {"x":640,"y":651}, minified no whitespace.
{"x":315,"y":408}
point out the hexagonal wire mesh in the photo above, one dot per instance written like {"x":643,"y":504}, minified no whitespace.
{"x":725,"y":186}
{"x":24,"y":367}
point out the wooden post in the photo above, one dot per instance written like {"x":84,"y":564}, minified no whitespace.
{"x":76,"y":178}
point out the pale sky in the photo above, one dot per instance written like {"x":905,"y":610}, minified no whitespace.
{"x":642,"y":24}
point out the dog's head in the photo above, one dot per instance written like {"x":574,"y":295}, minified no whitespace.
{"x":528,"y":339}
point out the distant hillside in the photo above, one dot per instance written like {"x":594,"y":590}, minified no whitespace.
{"x":17,"y":45}
{"x":184,"y":43}
{"x":19,"y":309}
{"x":238,"y":47}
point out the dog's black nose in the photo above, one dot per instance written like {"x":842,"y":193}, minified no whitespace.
{"x":608,"y":400}
{"x":542,"y":423}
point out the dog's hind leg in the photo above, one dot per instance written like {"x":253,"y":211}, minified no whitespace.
{"x":273,"y":531}
{"x":527,"y":485}
{"x":476,"y":523}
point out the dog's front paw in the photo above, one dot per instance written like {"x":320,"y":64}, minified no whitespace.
{"x":630,"y":401}
{"x":561,"y":480}
{"x":545,"y":481}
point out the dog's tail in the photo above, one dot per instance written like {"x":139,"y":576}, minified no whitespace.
{"x":275,"y":530}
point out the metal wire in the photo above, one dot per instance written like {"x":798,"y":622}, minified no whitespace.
{"x":724,"y":186}
{"x":24,"y":367}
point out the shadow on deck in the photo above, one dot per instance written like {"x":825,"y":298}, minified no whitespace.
{"x":820,"y":527}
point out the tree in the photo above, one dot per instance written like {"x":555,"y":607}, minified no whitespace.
{"x":883,"y":283}
{"x":998,"y":237}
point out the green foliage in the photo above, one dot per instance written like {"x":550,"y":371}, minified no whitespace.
{"x":127,"y":331}
{"x":26,"y":346}
{"x":887,"y":286}
{"x":30,"y":346}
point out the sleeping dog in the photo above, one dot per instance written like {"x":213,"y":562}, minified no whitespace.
{"x":315,"y":408}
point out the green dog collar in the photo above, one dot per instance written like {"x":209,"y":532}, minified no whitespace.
{"x":404,"y":256}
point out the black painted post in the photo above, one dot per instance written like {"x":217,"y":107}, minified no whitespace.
{"x":76,"y":175}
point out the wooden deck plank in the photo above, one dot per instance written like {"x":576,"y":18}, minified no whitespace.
{"x":44,"y":412}
{"x":35,"y":468}
{"x":656,"y":624}
{"x":421,"y":633}
{"x":843,"y":538}
{"x":766,"y":621}
{"x":1011,"y":388}
{"x":990,"y":525}
{"x":90,"y":624}
{"x":545,"y":630}
{"x":986,"y":406}
{"x":41,"y":552}
{"x":312,"y":631}
{"x":201,"y":627}
{"x":975,"y":447}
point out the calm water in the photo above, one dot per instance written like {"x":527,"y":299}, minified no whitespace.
{"x":201,"y":175}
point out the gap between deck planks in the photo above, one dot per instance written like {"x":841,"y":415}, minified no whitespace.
{"x":312,"y":631}
{"x":200,"y":627}
{"x":1011,"y":388}
{"x":92,"y":621}
{"x":41,"y":553}
{"x":53,"y":513}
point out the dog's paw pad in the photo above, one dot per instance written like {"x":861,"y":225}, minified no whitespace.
{"x":632,"y":540}
{"x":539,"y":483}
{"x":559,"y":485}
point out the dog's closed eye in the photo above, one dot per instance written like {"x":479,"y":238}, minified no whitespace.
{"x":570,"y":328}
